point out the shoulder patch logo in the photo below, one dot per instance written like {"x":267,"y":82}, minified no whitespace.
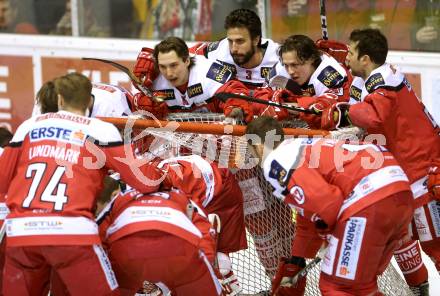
{"x":231,"y":67}
{"x":168,"y":93}
{"x":213,"y":46}
{"x":331,"y":78}
{"x":277,"y":172}
{"x":374,"y":81}
{"x":219,"y":73}
{"x":355,"y":93}
{"x":272,"y":72}
{"x":195,"y":90}
{"x":265,"y":71}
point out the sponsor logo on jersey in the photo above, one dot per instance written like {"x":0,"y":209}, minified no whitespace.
{"x":355,"y":93}
{"x":277,"y":172}
{"x":351,"y":247}
{"x":264,"y":72}
{"x":195,"y":90}
{"x":42,"y":224}
{"x":434,"y":208}
{"x":150,"y":212}
{"x":409,"y":259}
{"x":213,"y":46}
{"x":374,"y":81}
{"x":422,"y":225}
{"x":57,"y":133}
{"x":273,"y":72}
{"x":298,"y":194}
{"x":168,"y":94}
{"x":219,"y":73}
{"x":231,"y":67}
{"x":331,"y":78}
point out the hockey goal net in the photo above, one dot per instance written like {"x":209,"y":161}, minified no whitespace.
{"x":269,"y":222}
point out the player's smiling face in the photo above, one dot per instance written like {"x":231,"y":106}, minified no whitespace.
{"x":241,"y":45}
{"x":300,"y":71}
{"x":173,"y":68}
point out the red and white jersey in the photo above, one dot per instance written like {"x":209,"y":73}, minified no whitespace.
{"x":357,"y":90}
{"x":206,"y":77}
{"x":392,"y":109}
{"x":109,"y":101}
{"x":4,"y":211}
{"x":52,"y":172}
{"x":332,"y":180}
{"x":329,"y":80}
{"x":253,"y":77}
{"x":171,"y":212}
{"x":196,"y":176}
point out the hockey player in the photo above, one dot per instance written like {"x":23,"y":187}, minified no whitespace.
{"x":52,"y":172}
{"x":356,"y":196}
{"x":160,"y":237}
{"x":243,"y":51}
{"x":183,"y":82}
{"x":107,"y":100}
{"x":390,"y":107}
{"x":217,"y":192}
{"x":322,"y":78}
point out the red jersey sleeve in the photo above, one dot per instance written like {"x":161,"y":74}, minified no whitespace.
{"x":306,"y":242}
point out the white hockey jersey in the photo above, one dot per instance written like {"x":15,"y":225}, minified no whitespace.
{"x":110,"y":101}
{"x":254,"y":77}
{"x":329,"y":75}
{"x":205,"y":78}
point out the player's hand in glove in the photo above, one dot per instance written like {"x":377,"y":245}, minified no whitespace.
{"x":434,"y":180}
{"x":336,"y":116}
{"x":238,"y":109}
{"x":282,"y":283}
{"x":144,"y":68}
{"x":334,"y":48}
{"x":149,"y":104}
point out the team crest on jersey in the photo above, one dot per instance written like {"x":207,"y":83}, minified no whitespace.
{"x":265,"y":72}
{"x":219,"y":73}
{"x":231,"y":67}
{"x":355,"y":93}
{"x":168,"y":94}
{"x":277,"y":172}
{"x":331,"y":78}
{"x":213,"y":46}
{"x":195,"y":90}
{"x":374,"y":81}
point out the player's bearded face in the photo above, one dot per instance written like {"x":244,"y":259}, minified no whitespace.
{"x":299,"y":71}
{"x":354,"y":62}
{"x":173,"y":68}
{"x":241,"y":46}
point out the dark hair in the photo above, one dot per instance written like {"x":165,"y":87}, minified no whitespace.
{"x":169,"y":44}
{"x":47,"y":98}
{"x":260,"y":126}
{"x":75,"y":88}
{"x":245,"y":18}
{"x":371,"y":42}
{"x":5,"y":136}
{"x":304,"y":47}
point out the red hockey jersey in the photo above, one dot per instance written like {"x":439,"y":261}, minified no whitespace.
{"x":170,"y":212}
{"x":52,"y":172}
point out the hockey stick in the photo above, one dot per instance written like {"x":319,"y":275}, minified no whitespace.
{"x":323,"y":20}
{"x":303,"y":272}
{"x":127,"y":71}
{"x":223,"y":96}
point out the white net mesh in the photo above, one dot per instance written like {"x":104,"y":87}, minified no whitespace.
{"x":269,"y":222}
